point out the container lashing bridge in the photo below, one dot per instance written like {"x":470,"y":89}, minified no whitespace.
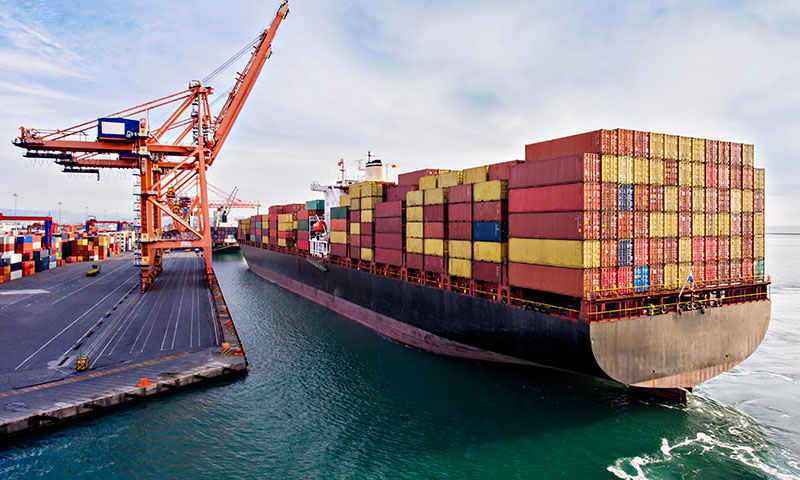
{"x":165,"y":157}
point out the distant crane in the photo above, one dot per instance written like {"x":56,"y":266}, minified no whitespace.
{"x":124,"y":141}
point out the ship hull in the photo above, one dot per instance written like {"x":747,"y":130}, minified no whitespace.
{"x":669,"y":351}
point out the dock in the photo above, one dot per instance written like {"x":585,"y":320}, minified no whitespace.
{"x":134,"y":345}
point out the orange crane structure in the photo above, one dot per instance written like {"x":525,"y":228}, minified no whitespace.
{"x":165,"y":157}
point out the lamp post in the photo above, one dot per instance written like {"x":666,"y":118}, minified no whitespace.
{"x":59,"y":214}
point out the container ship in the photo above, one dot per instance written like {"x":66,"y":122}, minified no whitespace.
{"x":630,"y":256}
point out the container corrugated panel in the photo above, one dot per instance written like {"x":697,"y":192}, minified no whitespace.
{"x":414,"y":261}
{"x":609,"y":194}
{"x":671,"y":250}
{"x":340,"y":212}
{"x":736,"y":154}
{"x":367,"y":216}
{"x":608,"y":281}
{"x":698,"y":174}
{"x":415,"y":198}
{"x":684,"y":199}
{"x":624,"y":281}
{"x":625,"y":142}
{"x":396,"y":193}
{"x":736,"y":248}
{"x":496,"y":211}
{"x":564,"y":281}
{"x":712,"y":224}
{"x":389,"y":256}
{"x":724,"y":222}
{"x":389,"y":209}
{"x":641,"y":198}
{"x":459,"y":212}
{"x":555,"y":198}
{"x":460,"y":194}
{"x":393,"y":241}
{"x":340,"y":237}
{"x":747,"y":248}
{"x":459,"y":267}
{"x":684,"y":249}
{"x":758,"y":246}
{"x":556,"y":225}
{"x":489,"y":271}
{"x":684,"y":224}
{"x":711,"y":200}
{"x":670,"y":172}
{"x":625,"y":198}
{"x":736,"y":176}
{"x":641,"y":171}
{"x":415,"y":214}
{"x":641,"y":225}
{"x":355,"y":204}
{"x":656,"y":251}
{"x":609,"y":168}
{"x":656,"y":171}
{"x":412,"y":178}
{"x":625,"y":253}
{"x":747,"y":224}
{"x":747,"y":201}
{"x":557,"y":253}
{"x":712,"y":151}
{"x":460,"y":249}
{"x":641,"y":279}
{"x":459,"y":230}
{"x":435,"y":246}
{"x":574,"y":169}
{"x":625,"y":169}
{"x":657,"y":198}
{"x":502,"y":170}
{"x":434,"y":229}
{"x":415,"y":229}
{"x":758,"y":201}
{"x":450,"y":179}
{"x":671,"y":147}
{"x":685,"y":174}
{"x":489,"y":231}
{"x":671,"y":276}
{"x":495,"y":252}
{"x":736,"y":200}
{"x":723,"y":176}
{"x":315,"y":205}
{"x":758,"y":267}
{"x":711,"y":245}
{"x":698,"y":150}
{"x":609,"y":250}
{"x":366,"y":254}
{"x":758,"y":179}
{"x":747,"y":177}
{"x":747,"y":155}
{"x":656,"y":225}
{"x":698,"y":199}
{"x":415,"y":245}
{"x":434,"y":213}
{"x":684,"y":148}
{"x":625,"y":224}
{"x":698,"y":250}
{"x":490,"y":191}
{"x":598,"y":141}
{"x":723,"y":200}
{"x":371,"y":189}
{"x":339,"y":250}
{"x":475,"y":174}
{"x":368,"y":203}
{"x":435,"y":196}
{"x":641,"y":144}
{"x":656,"y":145}
{"x":641,"y":251}
{"x":736,"y":224}
{"x":758,"y":224}
{"x":429,"y":182}
{"x":608,"y":225}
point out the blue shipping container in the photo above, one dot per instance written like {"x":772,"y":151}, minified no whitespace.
{"x":641,"y":279}
{"x":625,"y":198}
{"x":489,"y":232}
{"x":625,"y":253}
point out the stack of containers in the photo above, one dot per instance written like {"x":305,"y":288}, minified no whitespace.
{"x":287,"y":229}
{"x":272,"y":232}
{"x":414,"y":226}
{"x":433,"y":222}
{"x":389,"y":232}
{"x":340,"y":226}
{"x":302,"y":229}
{"x":459,"y":224}
{"x":489,"y":227}
{"x":362,"y":218}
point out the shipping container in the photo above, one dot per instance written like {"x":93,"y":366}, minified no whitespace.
{"x":556,"y":225}
{"x":712,"y":225}
{"x":429,"y":182}
{"x":459,"y":212}
{"x":641,"y":171}
{"x":624,"y":280}
{"x":434,"y":213}
{"x":502,"y":170}
{"x":415,"y":198}
{"x":684,"y":148}
{"x":671,"y":172}
{"x":609,"y":168}
{"x":434,"y":196}
{"x":671,"y":276}
{"x":459,"y":230}
{"x":656,"y":225}
{"x":412,"y":178}
{"x":598,"y":141}
{"x":625,"y":253}
{"x":417,"y":214}
{"x":493,"y":190}
{"x":489,"y":271}
{"x":625,"y":224}
{"x":656,"y":250}
{"x":625,"y":197}
{"x":608,"y":281}
{"x":389,"y":256}
{"x":414,"y":261}
{"x":657,"y":198}
{"x":459,"y":267}
{"x":656,"y":171}
{"x":555,"y":198}
{"x":625,"y":169}
{"x":724,"y":248}
{"x":583,"y":168}
{"x":684,"y":249}
{"x":557,"y":253}
{"x":641,"y":198}
{"x":641,"y":144}
{"x":671,"y":147}
{"x":449,"y":179}
{"x":434,"y":246}
{"x":564,"y":281}
{"x":460,"y":194}
{"x":608,"y":225}
{"x":684,"y":199}
{"x":434,"y":230}
{"x":475,"y":175}
{"x":435,"y":264}
{"x":489,"y":251}
{"x":496,"y":211}
{"x":670,"y":224}
{"x":389,"y":209}
{"x":711,"y":200}
{"x":656,"y":145}
{"x":459,"y":249}
{"x":489,"y":231}
{"x":641,"y":251}
{"x":609,"y":194}
{"x":641,"y":279}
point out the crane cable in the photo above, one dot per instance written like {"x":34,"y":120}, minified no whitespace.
{"x":231,"y":60}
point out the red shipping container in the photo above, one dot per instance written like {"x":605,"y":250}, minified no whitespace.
{"x":366,"y":241}
{"x":723,"y":200}
{"x":389,"y":209}
{"x":758,"y":201}
{"x":736,"y":224}
{"x":414,"y":261}
{"x":641,"y":252}
{"x":712,"y":175}
{"x":435,"y":264}
{"x":488,"y":271}
{"x":434,"y":213}
{"x":367,"y":229}
{"x":608,"y":196}
{"x":397,"y":193}
{"x":698,"y":249}
{"x":388,"y":256}
{"x":641,"y":198}
{"x":412,"y":178}
{"x":656,"y":276}
{"x":393,"y":241}
{"x":747,"y":177}
{"x":608,"y":253}
{"x":273,"y":217}
{"x":608,"y":225}
{"x":656,"y":250}
{"x":625,"y":141}
{"x":724,"y":248}
{"x":459,"y":230}
{"x":736,"y":269}
{"x":747,"y":267}
{"x":433,"y":230}
{"x":302,"y":244}
{"x":657,"y":198}
{"x":338,"y":250}
{"x":625,"y":224}
{"x":564,"y":281}
{"x":275,"y":209}
{"x":685,"y":199}
{"x":460,"y":194}
{"x":711,"y":151}
{"x":711,"y":200}
{"x":724,"y":153}
{"x":723,"y":176}
{"x":641,"y":224}
{"x":736,"y":154}
{"x":625,"y":280}
{"x":747,"y":248}
{"x":489,"y":211}
{"x":502,"y":171}
{"x":711,"y":272}
{"x":711,"y":245}
{"x":339,"y":225}
{"x":685,"y":224}
{"x":641,"y":144}
{"x":608,"y":281}
{"x":388,"y":225}
{"x":736,"y":176}
{"x":459,"y":212}
{"x":302,"y":235}
{"x":598,"y":141}
{"x":670,"y":250}
{"x":671,"y":172}
{"x":302,"y":214}
{"x":355,"y":241}
{"x":555,"y":198}
{"x":355,"y":216}
{"x":747,"y":225}
{"x":583,"y":168}
{"x":723,"y":269}
{"x":555,"y":225}
{"x":286,"y":235}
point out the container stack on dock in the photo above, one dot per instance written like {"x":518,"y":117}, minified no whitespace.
{"x":223,"y":234}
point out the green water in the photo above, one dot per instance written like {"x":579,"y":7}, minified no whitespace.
{"x":326,"y":398}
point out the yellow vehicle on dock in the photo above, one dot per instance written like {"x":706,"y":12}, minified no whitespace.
{"x":93,"y":271}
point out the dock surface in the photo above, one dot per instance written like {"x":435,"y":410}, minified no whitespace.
{"x":170,"y":335}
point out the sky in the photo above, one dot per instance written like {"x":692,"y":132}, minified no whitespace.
{"x":439,"y":84}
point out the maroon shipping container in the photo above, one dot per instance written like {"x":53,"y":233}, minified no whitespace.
{"x":723,"y":176}
{"x":608,"y":253}
{"x":712,"y":175}
{"x":276,"y":209}
{"x":625,"y":224}
{"x":389,"y":209}
{"x":711,"y":246}
{"x":712,"y":155}
{"x":685,"y":199}
{"x":641,"y":252}
{"x":555,"y":198}
{"x":641,"y":198}
{"x":389,"y":256}
{"x":608,"y":281}
{"x":367,"y":229}
{"x":555,"y":225}
{"x":736,"y":269}
{"x":698,"y":249}
{"x":723,"y":200}
{"x":459,"y":230}
{"x":502,"y":171}
{"x":302,"y":235}
{"x":354,"y":250}
{"x":747,"y":177}
{"x":355,"y":241}
{"x":758,"y":201}
{"x":625,"y":141}
{"x":339,"y":224}
{"x":434,"y":213}
{"x":608,"y":225}
{"x":460,"y":193}
{"x":564,"y":281}
{"x":598,"y":141}
{"x":393,"y":241}
{"x":435,"y":264}
{"x":670,"y":250}
{"x":396,"y":193}
{"x":641,"y":144}
{"x":724,"y":153}
{"x":656,"y":250}
{"x":723,"y":269}
{"x":583,"y":168}
{"x":671,"y":172}
{"x":736,"y":176}
{"x":608,"y":196}
{"x":747,"y":267}
{"x":273,"y":217}
{"x":657,"y":198}
{"x":459,"y":212}
{"x":338,"y":250}
{"x":747,"y":248}
{"x":684,"y":224}
{"x":433,"y":230}
{"x":489,"y":211}
{"x":712,"y":195}
{"x":302,"y":215}
{"x":488,"y":272}
{"x":711,"y":272}
{"x":656,"y":276}
{"x":414,"y":261}
{"x":747,"y":225}
{"x":736,"y":224}
{"x":736,"y":154}
{"x":388,"y":225}
{"x":724,"y":248}
{"x":412,"y":178}
{"x":625,"y":280}
{"x":366,"y":241}
{"x":302,"y":244}
{"x":355,"y":216}
{"x":641,"y":225}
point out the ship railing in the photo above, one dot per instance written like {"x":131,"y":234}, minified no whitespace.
{"x":667,"y":287}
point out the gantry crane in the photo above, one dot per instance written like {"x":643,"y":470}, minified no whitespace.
{"x":127,"y":139}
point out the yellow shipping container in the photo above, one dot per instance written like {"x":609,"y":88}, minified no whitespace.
{"x":608,"y":168}
{"x":285,"y":217}
{"x":758,"y":246}
{"x":670,"y":147}
{"x":429,"y":182}
{"x":355,"y":203}
{"x":415,"y":198}
{"x":415,"y":214}
{"x":758,"y":179}
{"x":698,"y":225}
{"x":450,"y":179}
{"x":670,"y":224}
{"x":368,"y":203}
{"x":459,"y":248}
{"x":748,"y":159}
{"x":355,"y":228}
{"x":656,"y":224}
{"x":641,"y":171}
{"x":656,"y":145}
{"x":435,"y":196}
{"x":698,"y":150}
{"x":415,"y":229}
{"x":366,"y":254}
{"x":684,"y":269}
{"x":747,"y":201}
{"x":556,"y":253}
{"x":435,"y":246}
{"x":355,"y":190}
{"x":724,"y":224}
{"x":494,"y":252}
{"x":736,"y":200}
{"x":340,"y":237}
{"x":670,"y":198}
{"x":685,"y":148}
{"x":736,"y":248}
{"x":371,"y":189}
{"x":685,"y":174}
{"x":344,"y":200}
{"x":415,"y":245}
{"x":685,"y":249}
{"x":367,"y":216}
{"x":671,"y":275}
{"x":625,"y":169}
{"x":475,"y":174}
{"x":490,"y":191}
{"x":698,"y":199}
{"x":282,"y":242}
{"x":758,"y":224}
{"x":698,"y":174}
{"x":712,"y":224}
{"x":656,"y":171}
{"x":459,"y":267}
